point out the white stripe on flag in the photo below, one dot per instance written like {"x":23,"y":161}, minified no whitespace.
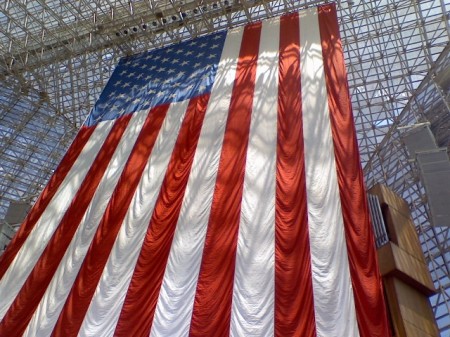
{"x":38,"y":238}
{"x":47,"y":313}
{"x":104,"y":310}
{"x":253,"y":295}
{"x":333,"y":296}
{"x":174,"y":309}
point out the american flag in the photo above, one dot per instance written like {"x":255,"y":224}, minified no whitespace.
{"x":215,"y":190}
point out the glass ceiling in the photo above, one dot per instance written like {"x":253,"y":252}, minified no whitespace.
{"x":56,"y":56}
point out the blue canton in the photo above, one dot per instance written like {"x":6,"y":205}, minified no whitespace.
{"x":166,"y":75}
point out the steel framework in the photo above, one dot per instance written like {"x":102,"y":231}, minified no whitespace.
{"x":56,"y":56}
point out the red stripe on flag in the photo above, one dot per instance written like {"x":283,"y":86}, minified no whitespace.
{"x":140,"y":303}
{"x":83,"y":289}
{"x":366,"y":282}
{"x":21,"y":311}
{"x":294,"y":307}
{"x":46,"y":196}
{"x":212,"y":306}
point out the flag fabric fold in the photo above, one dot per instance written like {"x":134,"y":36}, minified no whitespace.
{"x":215,"y":190}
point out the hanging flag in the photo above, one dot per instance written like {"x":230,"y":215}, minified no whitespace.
{"x":214,"y":190}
